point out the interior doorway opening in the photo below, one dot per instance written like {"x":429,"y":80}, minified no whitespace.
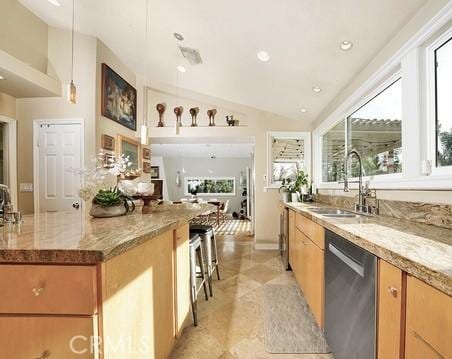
{"x":8,"y":156}
{"x":219,"y":171}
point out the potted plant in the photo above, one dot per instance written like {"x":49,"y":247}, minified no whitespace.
{"x":295,"y":187}
{"x":284,"y":189}
{"x":111,"y":203}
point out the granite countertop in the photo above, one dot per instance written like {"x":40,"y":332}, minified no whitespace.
{"x":422,"y":250}
{"x":77,"y":238}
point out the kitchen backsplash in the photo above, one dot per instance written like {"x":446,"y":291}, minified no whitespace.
{"x":435,"y":214}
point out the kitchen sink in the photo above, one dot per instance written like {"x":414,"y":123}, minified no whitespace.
{"x":333,"y":212}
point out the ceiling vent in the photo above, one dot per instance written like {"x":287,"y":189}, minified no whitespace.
{"x":192,"y":55}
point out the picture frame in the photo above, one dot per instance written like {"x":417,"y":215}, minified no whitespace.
{"x":146,"y":153}
{"x":155,"y":172}
{"x":118,"y":99}
{"x":146,"y":167}
{"x":129,"y":147}
{"x":107,"y":142}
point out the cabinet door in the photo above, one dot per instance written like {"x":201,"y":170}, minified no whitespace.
{"x":315,"y":281}
{"x":182,"y":276}
{"x":49,"y":337}
{"x":292,"y":230}
{"x":428,"y":321}
{"x":391,"y":310}
{"x":301,"y":262}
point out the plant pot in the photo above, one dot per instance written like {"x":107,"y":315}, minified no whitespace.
{"x":294,"y":197}
{"x":98,"y":211}
{"x":285,"y":196}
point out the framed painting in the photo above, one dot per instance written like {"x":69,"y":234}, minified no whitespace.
{"x":130,"y":148}
{"x":155,"y":172}
{"x":119,"y":99}
{"x":146,"y":167}
{"x":108,"y":142}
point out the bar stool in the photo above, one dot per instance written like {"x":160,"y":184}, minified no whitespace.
{"x":196,"y":253}
{"x":210,"y":248}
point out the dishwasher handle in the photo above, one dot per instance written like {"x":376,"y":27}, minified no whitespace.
{"x":356,"y":267}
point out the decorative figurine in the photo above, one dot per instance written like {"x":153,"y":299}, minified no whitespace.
{"x":194,"y":114}
{"x":161,"y":107}
{"x":211,"y":114}
{"x":178,"y":111}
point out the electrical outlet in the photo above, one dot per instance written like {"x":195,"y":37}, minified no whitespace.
{"x":26,"y":187}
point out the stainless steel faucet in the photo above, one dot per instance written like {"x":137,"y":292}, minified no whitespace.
{"x":364,"y":193}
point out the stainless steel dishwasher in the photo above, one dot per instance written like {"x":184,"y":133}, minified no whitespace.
{"x":350,"y":299}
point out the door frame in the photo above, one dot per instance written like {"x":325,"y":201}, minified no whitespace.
{"x":36,"y":126}
{"x":11,"y":170}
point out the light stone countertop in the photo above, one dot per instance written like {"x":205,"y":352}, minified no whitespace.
{"x":422,"y":250}
{"x":76,"y":238}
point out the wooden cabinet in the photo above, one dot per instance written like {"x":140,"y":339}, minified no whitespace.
{"x":428,"y":322}
{"x":307,"y":262}
{"x":391,"y":311}
{"x":48,"y":289}
{"x":182,"y":277}
{"x":292,"y":233}
{"x":47,"y":337}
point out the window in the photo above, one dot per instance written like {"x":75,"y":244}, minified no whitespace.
{"x":288,"y":153}
{"x":2,"y":161}
{"x":210,"y":186}
{"x":374,"y":130}
{"x":333,"y":153}
{"x":443,"y":103}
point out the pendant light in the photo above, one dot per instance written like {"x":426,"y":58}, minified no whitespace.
{"x":179,"y":38}
{"x":144,"y":125}
{"x":71,"y":89}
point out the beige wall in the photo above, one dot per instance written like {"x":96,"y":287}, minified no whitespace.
{"x":23,"y":34}
{"x":58,"y":108}
{"x":256,"y":124}
{"x":7,"y":105}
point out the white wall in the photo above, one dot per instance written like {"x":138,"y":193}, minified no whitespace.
{"x":205,"y":167}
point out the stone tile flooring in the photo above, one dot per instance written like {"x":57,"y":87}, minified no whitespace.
{"x":231,"y":324}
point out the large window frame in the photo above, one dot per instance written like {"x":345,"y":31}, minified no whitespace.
{"x":431,"y":103}
{"x":202,"y":178}
{"x":413,"y":60}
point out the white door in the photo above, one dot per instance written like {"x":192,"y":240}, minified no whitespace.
{"x":59,"y":151}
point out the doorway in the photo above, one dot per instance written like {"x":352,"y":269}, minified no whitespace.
{"x":58,"y":149}
{"x":219,"y":171}
{"x":8,"y":156}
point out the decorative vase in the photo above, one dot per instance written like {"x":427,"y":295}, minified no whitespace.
{"x":97,"y":211}
{"x":294,"y":197}
{"x":285,"y":196}
{"x":194,"y":114}
{"x":211,"y":114}
{"x":178,"y":111}
{"x":161,"y":110}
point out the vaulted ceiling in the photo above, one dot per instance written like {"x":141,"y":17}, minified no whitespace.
{"x":302,"y":38}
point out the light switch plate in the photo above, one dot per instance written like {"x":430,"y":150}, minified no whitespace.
{"x":26,"y":187}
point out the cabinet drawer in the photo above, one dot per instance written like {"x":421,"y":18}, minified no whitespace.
{"x":312,"y":230}
{"x":429,"y":320}
{"x":46,"y":337}
{"x":47,"y":289}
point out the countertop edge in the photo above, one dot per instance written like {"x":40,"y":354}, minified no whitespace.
{"x":436,"y":279}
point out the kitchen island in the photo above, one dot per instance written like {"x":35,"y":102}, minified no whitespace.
{"x":78,"y":287}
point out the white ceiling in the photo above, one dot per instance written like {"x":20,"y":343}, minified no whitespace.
{"x":302,"y":37}
{"x":202,"y":150}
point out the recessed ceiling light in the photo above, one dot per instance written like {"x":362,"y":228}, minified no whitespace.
{"x":177,"y":36}
{"x":303,"y":110}
{"x":182,"y":69}
{"x":54,"y":2}
{"x":263,"y":56}
{"x":316,"y":89}
{"x":346,"y":45}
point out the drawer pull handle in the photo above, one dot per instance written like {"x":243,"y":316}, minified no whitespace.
{"x":45,"y":354}
{"x":37,"y":291}
{"x":393,"y":291}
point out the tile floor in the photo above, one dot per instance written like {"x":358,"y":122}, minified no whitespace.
{"x":231,"y":323}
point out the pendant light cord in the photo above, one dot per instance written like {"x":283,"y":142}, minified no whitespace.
{"x":72,"y":35}
{"x":145,"y":119}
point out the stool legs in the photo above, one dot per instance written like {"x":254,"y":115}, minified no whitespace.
{"x":197,"y":253}
{"x":203,"y":271}
{"x":215,"y":254}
